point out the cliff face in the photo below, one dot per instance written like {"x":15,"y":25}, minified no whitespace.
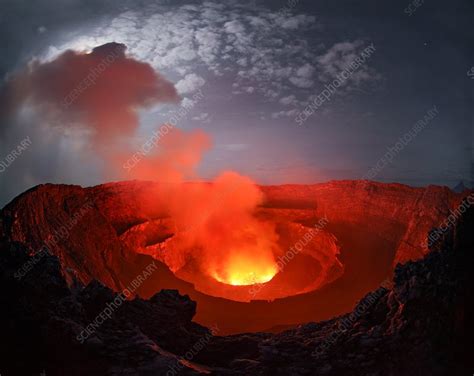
{"x":416,"y":324}
{"x":66,"y":221}
{"x":399,"y":213}
{"x":95,"y":233}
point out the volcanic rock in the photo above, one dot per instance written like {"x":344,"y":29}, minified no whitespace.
{"x":108,"y":233}
{"x":415,"y":324}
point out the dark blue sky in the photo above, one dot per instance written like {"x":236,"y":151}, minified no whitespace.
{"x":258,"y":65}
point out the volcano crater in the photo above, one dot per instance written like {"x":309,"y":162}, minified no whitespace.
{"x":364,"y":229}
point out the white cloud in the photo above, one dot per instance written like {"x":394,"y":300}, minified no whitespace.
{"x":234,"y":27}
{"x":190,"y":83}
{"x":289,"y":113}
{"x":289,"y":100}
{"x":306,"y":71}
{"x":293,"y":23}
{"x":339,"y":57}
{"x":187,"y":103}
{"x":249,"y":44}
{"x":303,"y":76}
{"x":301,"y":82}
{"x":201,"y":117}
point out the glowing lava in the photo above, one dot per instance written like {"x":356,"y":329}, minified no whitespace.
{"x":243,"y":271}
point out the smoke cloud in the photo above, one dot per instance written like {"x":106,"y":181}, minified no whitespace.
{"x":218,"y":232}
{"x":174,"y":158}
{"x":79,"y":110}
{"x":101,"y":90}
{"x":88,"y":102}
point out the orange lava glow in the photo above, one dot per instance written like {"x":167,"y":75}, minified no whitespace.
{"x":244,"y":269}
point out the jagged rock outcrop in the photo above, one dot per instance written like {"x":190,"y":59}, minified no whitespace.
{"x":49,"y":326}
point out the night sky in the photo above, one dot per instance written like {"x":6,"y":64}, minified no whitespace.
{"x":254,"y":67}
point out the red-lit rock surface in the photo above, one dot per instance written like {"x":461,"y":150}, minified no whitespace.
{"x":397,"y":212}
{"x":375,"y":225}
{"x":418,"y":324}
